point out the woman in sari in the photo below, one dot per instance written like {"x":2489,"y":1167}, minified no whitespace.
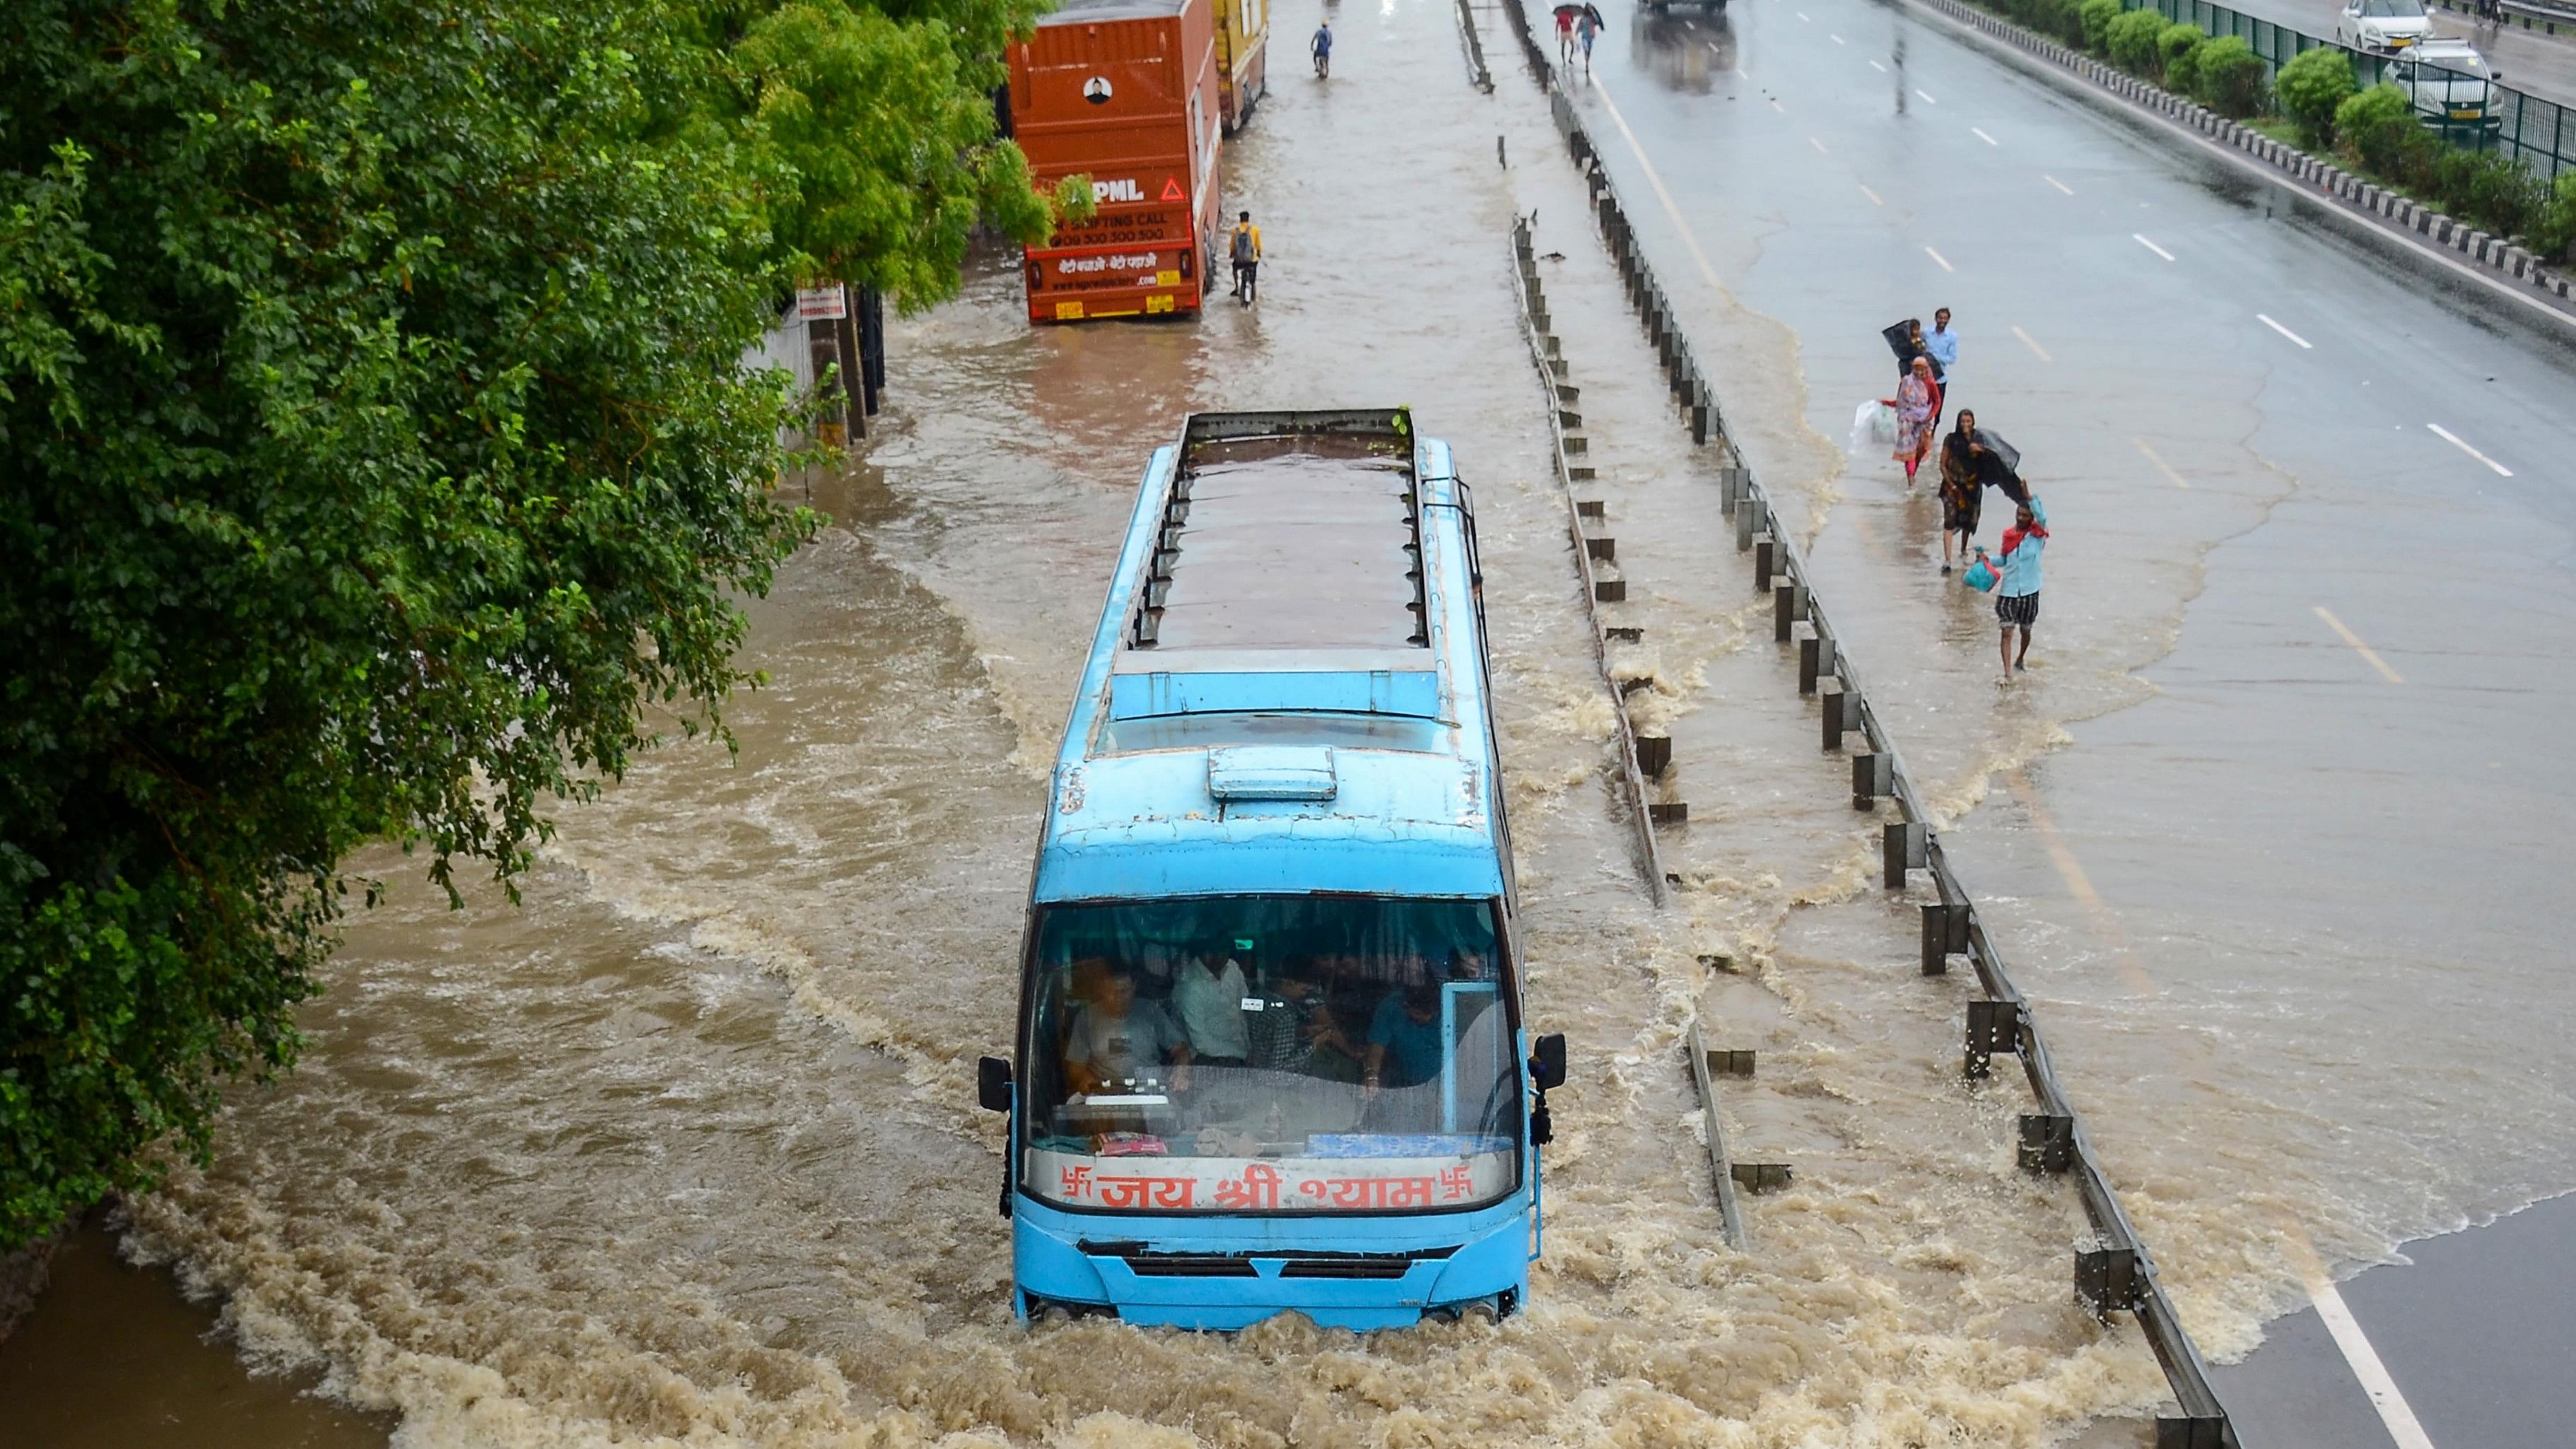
{"x":1917,"y":400}
{"x":1961,"y":489}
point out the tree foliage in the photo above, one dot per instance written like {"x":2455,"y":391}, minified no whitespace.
{"x":2311,"y":87}
{"x":375,"y":448}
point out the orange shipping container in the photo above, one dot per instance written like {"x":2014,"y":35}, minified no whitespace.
{"x":1125,"y":91}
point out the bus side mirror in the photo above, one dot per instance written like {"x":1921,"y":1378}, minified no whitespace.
{"x":1547,"y":1061}
{"x":993,"y":1084}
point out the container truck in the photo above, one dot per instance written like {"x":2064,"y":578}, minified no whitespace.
{"x":1127,"y":93}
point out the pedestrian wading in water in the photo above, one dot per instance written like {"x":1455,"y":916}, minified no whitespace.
{"x":2017,"y":597}
{"x":1963,"y":492}
{"x":1917,"y":398}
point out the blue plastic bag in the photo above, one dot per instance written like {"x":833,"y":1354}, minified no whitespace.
{"x":1981,"y":575}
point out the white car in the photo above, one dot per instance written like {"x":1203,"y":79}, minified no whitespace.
{"x":2383,"y":24}
{"x":2449,"y":83}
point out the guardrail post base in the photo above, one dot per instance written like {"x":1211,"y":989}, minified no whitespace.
{"x":1762,"y":561}
{"x":1788,"y":606}
{"x":2107,"y":1279}
{"x":1994,"y":1029}
{"x":2047,"y":1142}
{"x":1872,"y":776}
{"x":1829,"y":694}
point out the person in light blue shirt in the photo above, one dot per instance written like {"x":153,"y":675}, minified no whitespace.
{"x":2017,"y":596}
{"x":1942,"y":345}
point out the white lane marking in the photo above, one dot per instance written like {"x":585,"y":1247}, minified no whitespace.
{"x":1819,"y":145}
{"x":1927,"y":96}
{"x":2060,"y":185}
{"x":1803,"y":16}
{"x":1739,"y":70}
{"x":2394,"y":677}
{"x":1982,"y":136}
{"x":2403,"y":1427}
{"x":1656,"y":180}
{"x":2151,"y":246}
{"x":1838,"y":40}
{"x":1874,"y":65}
{"x":1783,"y":110}
{"x":2028,"y":341}
{"x":1944,"y":261}
{"x":1873,"y":197}
{"x":2166,"y":468}
{"x":2284,"y":331}
{"x":2454,"y":440}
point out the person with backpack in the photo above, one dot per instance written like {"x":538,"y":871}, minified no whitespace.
{"x":1244,"y":244}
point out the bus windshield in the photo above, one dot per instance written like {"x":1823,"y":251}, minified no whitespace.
{"x":1271,"y":1054}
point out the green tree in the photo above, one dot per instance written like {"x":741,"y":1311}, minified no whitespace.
{"x":2310,"y":88}
{"x":375,"y":450}
{"x":2228,"y":77}
{"x":2131,"y":39}
{"x":2097,"y":16}
{"x":2178,"y":47}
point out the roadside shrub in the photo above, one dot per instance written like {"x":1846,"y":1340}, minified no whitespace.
{"x":2229,"y":78}
{"x":2379,"y":131}
{"x":2098,"y":15}
{"x":2178,"y":50}
{"x":2132,"y":39}
{"x":2065,"y":20}
{"x":2493,"y":193}
{"x":2553,"y":233}
{"x":2310,"y":88}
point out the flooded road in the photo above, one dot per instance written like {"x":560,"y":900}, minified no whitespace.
{"x":685,"y":1150}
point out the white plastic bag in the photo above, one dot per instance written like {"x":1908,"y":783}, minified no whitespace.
{"x":1873,"y":425}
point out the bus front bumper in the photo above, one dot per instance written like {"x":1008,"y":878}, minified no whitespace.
{"x":1228,"y":1273}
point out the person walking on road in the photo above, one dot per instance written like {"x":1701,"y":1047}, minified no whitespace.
{"x":1917,"y":398}
{"x":1963,"y":492}
{"x":1244,"y":243}
{"x":1322,"y":46}
{"x":1566,"y":15}
{"x":1942,"y":345}
{"x":2017,"y":597}
{"x":1588,"y":29}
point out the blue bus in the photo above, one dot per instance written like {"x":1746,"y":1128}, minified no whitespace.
{"x":1271,"y":1053}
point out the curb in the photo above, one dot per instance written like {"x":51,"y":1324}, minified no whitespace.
{"x":2391,"y":217}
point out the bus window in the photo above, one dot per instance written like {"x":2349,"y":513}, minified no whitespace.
{"x":1257,"y":1053}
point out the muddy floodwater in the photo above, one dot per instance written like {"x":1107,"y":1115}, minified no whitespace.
{"x":684,"y":1150}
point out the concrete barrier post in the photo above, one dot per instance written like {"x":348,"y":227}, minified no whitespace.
{"x":1745,"y":512}
{"x":1763,"y":546}
{"x":1891,"y":853}
{"x":1788,"y":606}
{"x":1829,"y":694}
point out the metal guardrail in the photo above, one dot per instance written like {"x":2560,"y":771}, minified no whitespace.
{"x":2117,"y":1271}
{"x":2539,"y":133}
{"x":1482,"y":78}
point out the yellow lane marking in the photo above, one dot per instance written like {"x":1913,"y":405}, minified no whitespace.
{"x":2072,"y":870}
{"x":1690,"y":242}
{"x":2166,"y":468}
{"x":2365,"y":650}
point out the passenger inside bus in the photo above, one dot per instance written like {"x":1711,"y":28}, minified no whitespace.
{"x":1271,"y":1027}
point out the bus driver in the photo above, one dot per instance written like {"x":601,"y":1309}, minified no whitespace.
{"x":1120,"y":1042}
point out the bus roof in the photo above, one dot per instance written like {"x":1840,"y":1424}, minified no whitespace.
{"x":1286,"y":691}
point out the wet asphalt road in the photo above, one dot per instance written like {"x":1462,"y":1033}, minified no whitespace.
{"x":2316,"y":502}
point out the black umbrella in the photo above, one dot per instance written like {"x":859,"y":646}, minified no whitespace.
{"x":1567,"y":12}
{"x":1595,"y":16}
{"x":1999,"y":465}
{"x":1900,"y":340}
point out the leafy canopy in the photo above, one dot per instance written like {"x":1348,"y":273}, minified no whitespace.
{"x":375,"y":448}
